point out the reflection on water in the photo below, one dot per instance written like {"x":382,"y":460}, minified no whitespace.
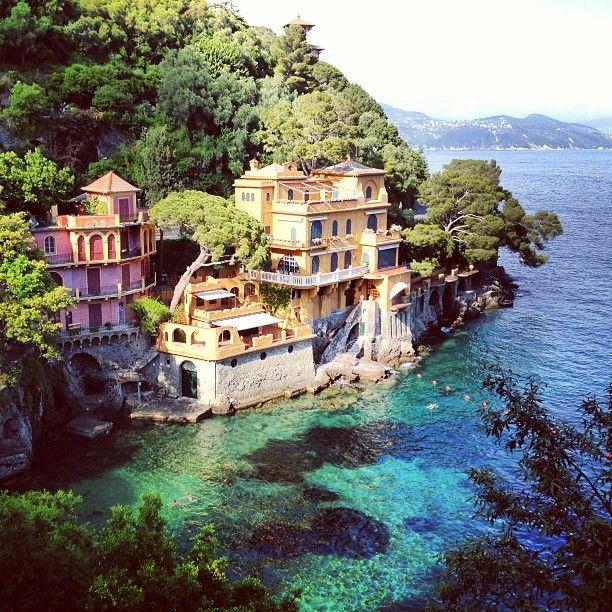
{"x":351,"y":496}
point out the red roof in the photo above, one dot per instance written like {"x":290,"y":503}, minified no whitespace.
{"x":109,"y":183}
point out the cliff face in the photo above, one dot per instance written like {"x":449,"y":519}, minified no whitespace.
{"x":30,"y":408}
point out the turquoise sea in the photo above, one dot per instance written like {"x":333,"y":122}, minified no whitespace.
{"x":351,"y":496}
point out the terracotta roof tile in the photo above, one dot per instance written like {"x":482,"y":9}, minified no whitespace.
{"x":109,"y":183}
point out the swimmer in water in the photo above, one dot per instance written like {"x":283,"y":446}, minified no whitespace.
{"x":466,"y":397}
{"x":434,"y":382}
{"x":448,"y":388}
{"x":419,"y":376}
{"x":432,"y":406}
{"x":187,"y":496}
{"x":173,"y":503}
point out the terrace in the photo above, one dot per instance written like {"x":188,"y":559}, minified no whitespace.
{"x":308,"y":280}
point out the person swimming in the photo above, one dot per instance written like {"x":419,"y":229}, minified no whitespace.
{"x":432,"y":406}
{"x":173,"y":503}
{"x":447,"y":388}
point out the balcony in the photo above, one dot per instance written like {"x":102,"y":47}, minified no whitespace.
{"x":310,"y":280}
{"x":95,"y":221}
{"x":58,"y":259}
{"x":380,"y":237}
{"x":116,"y":290}
{"x":131,"y":253}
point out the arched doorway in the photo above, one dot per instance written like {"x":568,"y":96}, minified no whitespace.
{"x":189,"y":380}
{"x":316,"y":231}
{"x":81,"y":249}
{"x":112,"y":247}
{"x":333,"y":264}
{"x":57,"y":278}
{"x":434,"y":299}
{"x":96,"y":251}
{"x":288,"y":265}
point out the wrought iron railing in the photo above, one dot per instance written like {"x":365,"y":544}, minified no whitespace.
{"x":310,"y":280}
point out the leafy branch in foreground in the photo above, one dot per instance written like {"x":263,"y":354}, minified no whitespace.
{"x":554,"y":549}
{"x":50,"y":561}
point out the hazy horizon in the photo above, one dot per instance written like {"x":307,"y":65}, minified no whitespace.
{"x":464,"y":60}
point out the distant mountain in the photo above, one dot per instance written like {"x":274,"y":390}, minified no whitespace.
{"x":603,"y":125}
{"x":499,"y":132}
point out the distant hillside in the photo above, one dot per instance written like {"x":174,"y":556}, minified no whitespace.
{"x":499,"y":132}
{"x":603,"y":125}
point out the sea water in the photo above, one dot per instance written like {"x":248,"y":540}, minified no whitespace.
{"x":352,"y":496}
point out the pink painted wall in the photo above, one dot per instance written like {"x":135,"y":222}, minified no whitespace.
{"x":132,"y":199}
{"x":76,"y":278}
{"x":80,"y":313}
{"x":62,"y":239}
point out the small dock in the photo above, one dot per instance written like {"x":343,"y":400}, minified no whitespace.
{"x":168,"y":410}
{"x":89,"y":427}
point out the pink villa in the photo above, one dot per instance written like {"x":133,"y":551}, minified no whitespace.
{"x":104,"y":258}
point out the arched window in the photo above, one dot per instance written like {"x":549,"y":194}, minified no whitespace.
{"x":252,"y":197}
{"x":316,"y":232}
{"x":242,"y":196}
{"x":349,"y":226}
{"x":57,"y":278}
{"x":288,"y":265}
{"x":306,"y":196}
{"x":372,"y":222}
{"x":249,"y":290}
{"x":112,"y":247}
{"x":178,"y":335}
{"x":347,"y":259}
{"x":234,"y":291}
{"x":81,"y":248}
{"x":290,"y":194}
{"x":335,"y":228}
{"x":333,"y":264}
{"x":96,"y":251}
{"x":365,"y":259}
{"x":293,"y":234}
{"x":368,"y":192}
{"x":198,"y":338}
{"x":267,"y":196}
{"x":50,"y":245}
{"x":335,"y":193}
{"x":225,"y":336}
{"x":314,"y":264}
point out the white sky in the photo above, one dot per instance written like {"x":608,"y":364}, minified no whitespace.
{"x":464,"y":58}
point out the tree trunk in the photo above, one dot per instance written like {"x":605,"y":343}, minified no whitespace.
{"x":201,"y":259}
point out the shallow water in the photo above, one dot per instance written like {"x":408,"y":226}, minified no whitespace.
{"x":352,"y":495}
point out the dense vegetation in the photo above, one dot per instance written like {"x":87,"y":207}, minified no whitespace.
{"x":470,"y":216}
{"x":29,"y":299}
{"x":51,"y":561}
{"x":180,"y":94}
{"x":553,"y":552}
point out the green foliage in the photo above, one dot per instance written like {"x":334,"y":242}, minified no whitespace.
{"x":50,"y":561}
{"x":27,"y":106}
{"x":479,"y":216}
{"x":426,"y":240}
{"x":274,"y":297}
{"x":29,"y":299}
{"x":94,"y":206}
{"x":296,"y":60}
{"x":561,"y":502}
{"x":214,"y":224}
{"x":425,"y":267}
{"x":32,"y":182}
{"x":150,"y":314}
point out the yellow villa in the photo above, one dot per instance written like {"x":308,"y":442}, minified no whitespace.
{"x":328,"y":235}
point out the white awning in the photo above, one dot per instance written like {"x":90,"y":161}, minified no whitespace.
{"x":259,"y":319}
{"x":216,"y":294}
{"x":397,"y":289}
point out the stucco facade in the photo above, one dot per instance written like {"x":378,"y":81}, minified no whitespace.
{"x":104,"y":258}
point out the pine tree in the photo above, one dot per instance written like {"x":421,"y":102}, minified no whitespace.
{"x":296,"y":61}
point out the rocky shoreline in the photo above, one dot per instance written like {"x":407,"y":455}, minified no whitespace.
{"x":44,"y":405}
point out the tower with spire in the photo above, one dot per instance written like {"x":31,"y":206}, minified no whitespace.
{"x":306,"y":26}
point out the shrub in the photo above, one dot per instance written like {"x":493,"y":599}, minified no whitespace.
{"x":150,"y":313}
{"x":274,"y":297}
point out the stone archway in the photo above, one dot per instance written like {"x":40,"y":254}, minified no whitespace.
{"x":88,"y":370}
{"x":448,"y":300}
{"x":189,"y":380}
